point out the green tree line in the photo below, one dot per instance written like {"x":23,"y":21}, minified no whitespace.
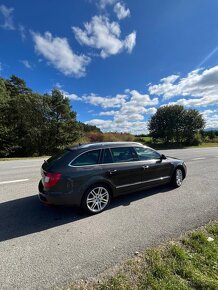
{"x":33,"y":124}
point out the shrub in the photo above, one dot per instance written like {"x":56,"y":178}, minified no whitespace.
{"x":114,"y":137}
{"x":95,"y":136}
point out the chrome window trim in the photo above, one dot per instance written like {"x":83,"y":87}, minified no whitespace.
{"x":69,"y":164}
{"x":141,"y":182}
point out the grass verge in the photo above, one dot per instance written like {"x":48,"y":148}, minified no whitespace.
{"x":189,"y":263}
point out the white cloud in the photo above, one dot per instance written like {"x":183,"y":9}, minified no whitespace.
{"x":59,"y":53}
{"x":104,"y":35}
{"x":104,"y":3}
{"x":108,"y":113}
{"x":198,"y":83}
{"x":128,"y":116}
{"x":26,"y":63}
{"x":121,"y":11}
{"x":130,"y":42}
{"x":105,"y":102}
{"x":124,"y":126}
{"x":8,"y":17}
{"x":211,"y":117}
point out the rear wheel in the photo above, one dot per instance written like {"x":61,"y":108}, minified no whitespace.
{"x":96,"y":199}
{"x":177,"y":178}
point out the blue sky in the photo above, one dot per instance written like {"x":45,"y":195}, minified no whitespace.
{"x":118,"y":61}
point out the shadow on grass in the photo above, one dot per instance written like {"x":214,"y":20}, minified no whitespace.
{"x":27,"y":215}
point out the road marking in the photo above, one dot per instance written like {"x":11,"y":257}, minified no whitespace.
{"x":25,"y":166}
{"x":198,"y":158}
{"x":13,"y":181}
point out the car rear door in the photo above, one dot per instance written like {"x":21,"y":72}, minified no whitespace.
{"x":121,"y":168}
{"x":154,"y":169}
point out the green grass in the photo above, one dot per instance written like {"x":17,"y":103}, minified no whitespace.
{"x":189,"y":263}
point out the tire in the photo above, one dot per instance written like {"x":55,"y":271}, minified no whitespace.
{"x":177,"y":178}
{"x":96,"y":199}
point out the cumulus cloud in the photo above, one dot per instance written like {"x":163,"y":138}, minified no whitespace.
{"x":125,"y":126}
{"x":198,"y":83}
{"x":128,"y":112}
{"x":104,"y":35}
{"x":211,"y":117}
{"x":7,"y":14}
{"x":121,"y":11}
{"x":59,"y":53}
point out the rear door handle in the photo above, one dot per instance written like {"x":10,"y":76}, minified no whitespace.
{"x":145,"y":167}
{"x":112,"y":171}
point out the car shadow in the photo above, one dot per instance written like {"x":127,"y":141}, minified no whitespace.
{"x":27,"y":215}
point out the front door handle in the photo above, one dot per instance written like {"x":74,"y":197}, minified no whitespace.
{"x":145,"y":167}
{"x":112,"y":171}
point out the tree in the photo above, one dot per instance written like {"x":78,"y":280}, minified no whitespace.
{"x":174,"y":123}
{"x":35,"y":124}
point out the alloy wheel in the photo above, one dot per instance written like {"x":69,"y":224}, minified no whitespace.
{"x":97,"y":199}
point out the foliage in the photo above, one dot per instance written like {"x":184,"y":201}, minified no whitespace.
{"x":33,"y":124}
{"x":114,"y":136}
{"x":95,"y":136}
{"x":174,"y":123}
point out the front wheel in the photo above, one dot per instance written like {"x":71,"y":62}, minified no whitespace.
{"x":96,"y":199}
{"x":177,"y":178}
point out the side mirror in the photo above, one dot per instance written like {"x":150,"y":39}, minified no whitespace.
{"x":162,"y":157}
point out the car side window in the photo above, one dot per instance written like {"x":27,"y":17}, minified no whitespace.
{"x":123,"y":154}
{"x":88,"y":158}
{"x":146,"y":153}
{"x":107,"y":157}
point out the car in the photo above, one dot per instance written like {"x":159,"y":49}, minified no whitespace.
{"x":90,"y":175}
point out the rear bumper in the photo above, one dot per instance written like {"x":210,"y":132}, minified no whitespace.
{"x":58,"y":198}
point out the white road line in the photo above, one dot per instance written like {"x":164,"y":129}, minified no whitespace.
{"x":25,"y":166}
{"x":198,"y":158}
{"x":13,"y":181}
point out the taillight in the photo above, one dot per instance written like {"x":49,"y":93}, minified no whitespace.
{"x":50,"y":179}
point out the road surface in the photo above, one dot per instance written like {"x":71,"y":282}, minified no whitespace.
{"x":42,"y":247}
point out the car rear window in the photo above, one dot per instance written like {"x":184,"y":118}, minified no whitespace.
{"x":87,"y":158}
{"x":58,"y":156}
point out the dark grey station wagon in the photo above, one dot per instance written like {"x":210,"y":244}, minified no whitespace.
{"x":90,"y":175}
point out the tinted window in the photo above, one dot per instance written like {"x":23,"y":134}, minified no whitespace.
{"x":146,"y":153}
{"x":88,"y":158}
{"x":122,"y":154}
{"x":58,"y":156}
{"x":107,"y":158}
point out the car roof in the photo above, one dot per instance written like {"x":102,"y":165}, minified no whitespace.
{"x":100,"y":145}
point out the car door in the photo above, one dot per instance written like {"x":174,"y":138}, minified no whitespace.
{"x":154,"y":169}
{"x":121,"y":168}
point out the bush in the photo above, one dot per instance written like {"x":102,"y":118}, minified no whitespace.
{"x":195,"y":140}
{"x":95,"y":136}
{"x":114,"y":137}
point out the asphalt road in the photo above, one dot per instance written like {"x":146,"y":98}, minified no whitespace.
{"x":42,"y":247}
